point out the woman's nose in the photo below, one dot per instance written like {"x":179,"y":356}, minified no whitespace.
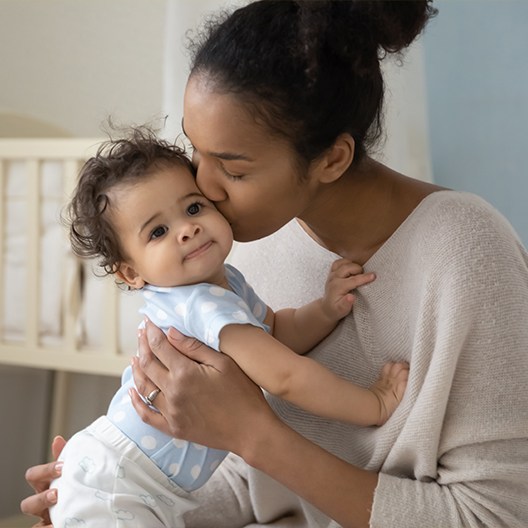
{"x":210,"y":181}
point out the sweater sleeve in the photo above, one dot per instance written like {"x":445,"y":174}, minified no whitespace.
{"x":478,"y":485}
{"x":466,"y":437}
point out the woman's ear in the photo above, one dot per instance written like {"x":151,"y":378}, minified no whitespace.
{"x":332,"y":164}
{"x":129,"y":276}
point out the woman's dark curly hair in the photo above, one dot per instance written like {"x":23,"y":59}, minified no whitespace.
{"x":126,"y":160}
{"x":310,"y":69}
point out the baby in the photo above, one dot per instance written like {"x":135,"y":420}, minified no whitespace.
{"x":137,"y":208}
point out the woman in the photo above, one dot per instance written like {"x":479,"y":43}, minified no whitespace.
{"x":282,"y":106}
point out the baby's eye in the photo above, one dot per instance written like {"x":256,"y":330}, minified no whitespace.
{"x":158,"y":232}
{"x":194,"y":209}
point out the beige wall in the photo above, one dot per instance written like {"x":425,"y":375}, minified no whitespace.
{"x":73,"y":62}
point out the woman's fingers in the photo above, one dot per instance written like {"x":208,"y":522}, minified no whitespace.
{"x":39,"y":504}
{"x":192,"y":348}
{"x":144,"y":385}
{"x":148,"y":415}
{"x":149,"y":371}
{"x":161,"y":355}
{"x":39,"y":477}
{"x":57,"y":445}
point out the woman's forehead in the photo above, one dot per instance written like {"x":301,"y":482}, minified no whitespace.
{"x":222,"y":126}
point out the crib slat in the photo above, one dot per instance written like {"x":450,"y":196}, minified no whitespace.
{"x":71,"y":285}
{"x":33,"y":253}
{"x":49,"y":149}
{"x":111,"y":319}
{"x":3,"y":249}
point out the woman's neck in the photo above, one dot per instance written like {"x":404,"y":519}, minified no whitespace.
{"x":357,"y":214}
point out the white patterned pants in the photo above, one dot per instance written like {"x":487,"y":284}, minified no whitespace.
{"x":107,"y":481}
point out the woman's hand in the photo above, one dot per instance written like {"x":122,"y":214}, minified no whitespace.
{"x":39,"y":478}
{"x":205,"y":397}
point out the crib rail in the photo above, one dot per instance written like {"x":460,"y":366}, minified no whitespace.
{"x":68,"y":352}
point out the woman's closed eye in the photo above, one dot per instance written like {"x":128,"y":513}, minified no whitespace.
{"x":230,"y":175}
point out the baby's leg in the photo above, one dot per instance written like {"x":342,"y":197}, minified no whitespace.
{"x":107,"y":481}
{"x":389,"y":388}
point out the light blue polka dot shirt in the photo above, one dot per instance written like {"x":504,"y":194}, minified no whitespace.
{"x":200,"y":311}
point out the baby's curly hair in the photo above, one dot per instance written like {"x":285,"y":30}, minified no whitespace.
{"x":128,"y":159}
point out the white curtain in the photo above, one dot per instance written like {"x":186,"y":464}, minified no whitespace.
{"x":406,"y":146}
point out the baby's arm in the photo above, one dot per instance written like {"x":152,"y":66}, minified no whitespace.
{"x":308,"y":384}
{"x":303,"y":328}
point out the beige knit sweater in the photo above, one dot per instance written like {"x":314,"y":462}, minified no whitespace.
{"x":451,"y":298}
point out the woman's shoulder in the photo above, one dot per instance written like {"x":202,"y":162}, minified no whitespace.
{"x":457,"y":203}
{"x":459,"y":230}
{"x":459,"y":214}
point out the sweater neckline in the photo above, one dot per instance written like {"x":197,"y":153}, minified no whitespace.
{"x":315,"y":247}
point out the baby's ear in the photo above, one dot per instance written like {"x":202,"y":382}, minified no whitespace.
{"x":129,"y":276}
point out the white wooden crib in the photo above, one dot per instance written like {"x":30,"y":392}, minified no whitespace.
{"x":55,"y":313}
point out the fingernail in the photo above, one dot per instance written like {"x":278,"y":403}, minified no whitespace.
{"x":51,"y":496}
{"x":58,"y":467}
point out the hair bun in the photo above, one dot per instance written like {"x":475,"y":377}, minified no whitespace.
{"x":392,"y":25}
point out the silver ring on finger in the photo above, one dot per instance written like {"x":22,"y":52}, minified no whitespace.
{"x":152,"y":395}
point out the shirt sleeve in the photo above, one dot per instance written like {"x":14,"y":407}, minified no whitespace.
{"x":199,"y":311}
{"x":478,"y":485}
{"x":211,"y":308}
{"x":257,"y":306}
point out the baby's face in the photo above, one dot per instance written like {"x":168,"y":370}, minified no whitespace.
{"x":170,"y":233}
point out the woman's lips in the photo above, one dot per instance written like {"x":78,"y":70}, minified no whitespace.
{"x":197,"y":252}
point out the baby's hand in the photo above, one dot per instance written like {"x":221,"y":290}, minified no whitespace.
{"x":389,"y":389}
{"x":344,"y":277}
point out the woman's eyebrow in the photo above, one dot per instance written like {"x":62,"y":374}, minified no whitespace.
{"x":228,"y":156}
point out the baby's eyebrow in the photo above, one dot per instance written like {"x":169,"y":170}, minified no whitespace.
{"x":193,"y":194}
{"x":145,"y":224}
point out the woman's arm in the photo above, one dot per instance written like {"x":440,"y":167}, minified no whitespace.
{"x":207,"y":399}
{"x":342,"y":491}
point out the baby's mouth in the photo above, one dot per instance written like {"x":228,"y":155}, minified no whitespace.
{"x":198,"y":251}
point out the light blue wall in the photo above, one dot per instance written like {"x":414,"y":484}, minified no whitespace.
{"x":477,"y":80}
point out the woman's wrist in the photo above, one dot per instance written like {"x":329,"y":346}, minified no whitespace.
{"x":300,"y":465}
{"x":260,"y":435}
